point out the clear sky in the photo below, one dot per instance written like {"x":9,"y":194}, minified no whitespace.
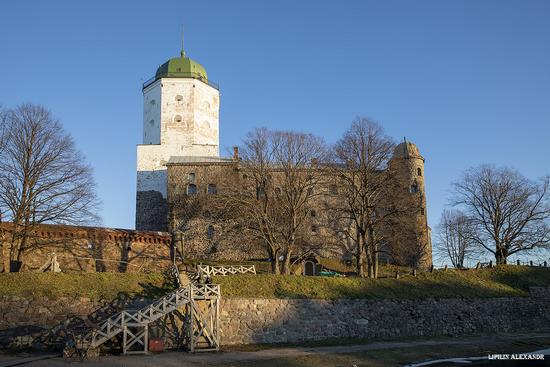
{"x":467,"y":81}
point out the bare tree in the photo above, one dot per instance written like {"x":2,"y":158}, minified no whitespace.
{"x":250,"y":204}
{"x":43,"y":179}
{"x":298,"y":160}
{"x":508,"y":213}
{"x":453,"y":238}
{"x":280,"y":179}
{"x":362,"y":157}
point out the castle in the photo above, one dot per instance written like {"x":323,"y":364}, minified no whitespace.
{"x":179,"y":158}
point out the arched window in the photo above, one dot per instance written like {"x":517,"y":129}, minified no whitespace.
{"x":179,"y":99}
{"x":191,"y":177}
{"x":178,"y":118}
{"x":191,"y":189}
{"x":313,"y":213}
{"x":212,"y":189}
{"x":314,"y":229}
{"x":419,"y":171}
{"x":414,"y":188}
{"x":210,"y":232}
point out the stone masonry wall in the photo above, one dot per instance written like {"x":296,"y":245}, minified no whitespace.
{"x":245,"y":321}
{"x":248,"y":321}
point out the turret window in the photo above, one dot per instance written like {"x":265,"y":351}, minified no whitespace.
{"x":212,"y":189}
{"x":414,"y":188}
{"x":419,"y":171}
{"x":210,"y":232}
{"x":179,"y":99}
{"x":191,"y":189}
{"x":178,"y":118}
{"x":313,"y":213}
{"x":191,"y":177}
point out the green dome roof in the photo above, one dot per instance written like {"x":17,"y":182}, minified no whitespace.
{"x":181,"y":67}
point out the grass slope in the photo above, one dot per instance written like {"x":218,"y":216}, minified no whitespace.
{"x":502,"y":281}
{"x":91,"y":285}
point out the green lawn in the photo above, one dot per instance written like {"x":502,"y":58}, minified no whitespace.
{"x":92,"y":285}
{"x":496,"y":282}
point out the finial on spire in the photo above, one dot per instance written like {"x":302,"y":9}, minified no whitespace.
{"x":182,"y":52}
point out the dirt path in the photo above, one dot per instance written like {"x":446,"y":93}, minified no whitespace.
{"x":298,"y":356}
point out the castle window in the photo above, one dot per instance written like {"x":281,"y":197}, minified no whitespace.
{"x":419,"y":172}
{"x":414,"y":188}
{"x":191,"y":189}
{"x":333,"y":190}
{"x":245,"y":177}
{"x":178,"y":118}
{"x":260,"y":192}
{"x":278,"y":191}
{"x":212,"y":189}
{"x":179,"y":99}
{"x":314,"y":229}
{"x":313,"y":213}
{"x":210,"y":232}
{"x":422,"y":211}
{"x":191,"y":178}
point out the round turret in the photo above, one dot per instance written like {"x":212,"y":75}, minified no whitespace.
{"x":407,"y":150}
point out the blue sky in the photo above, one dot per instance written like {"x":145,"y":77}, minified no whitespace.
{"x":467,"y":81}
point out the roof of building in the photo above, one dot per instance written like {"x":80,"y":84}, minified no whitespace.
{"x":195,"y":159}
{"x":406,"y":150}
{"x":182,"y":67}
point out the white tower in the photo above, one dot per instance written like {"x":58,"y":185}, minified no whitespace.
{"x":180,"y":118}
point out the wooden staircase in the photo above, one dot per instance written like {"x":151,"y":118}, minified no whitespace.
{"x":198,"y":302}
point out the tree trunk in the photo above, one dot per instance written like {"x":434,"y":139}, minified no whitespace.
{"x":275,"y":266}
{"x":375,"y":261}
{"x":501,"y":255}
{"x":360,"y":257}
{"x":287,"y":264}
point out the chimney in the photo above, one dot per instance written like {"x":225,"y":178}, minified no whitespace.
{"x":236,"y":153}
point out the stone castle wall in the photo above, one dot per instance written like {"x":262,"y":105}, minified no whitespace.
{"x":249,"y":321}
{"x":95,"y":249}
{"x":246,"y":321}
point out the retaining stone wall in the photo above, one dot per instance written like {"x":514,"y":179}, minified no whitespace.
{"x":246,"y":321}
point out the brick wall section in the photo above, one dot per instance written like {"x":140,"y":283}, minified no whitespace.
{"x":95,"y":249}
